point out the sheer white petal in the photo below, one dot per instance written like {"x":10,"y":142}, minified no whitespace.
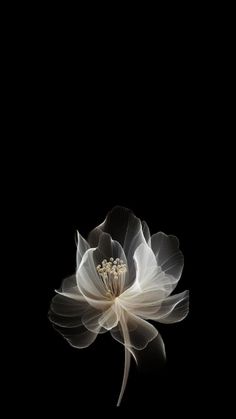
{"x":82,"y":246}
{"x":125,"y":228}
{"x":68,"y":307}
{"x":90,"y":320}
{"x":110,"y":317}
{"x":146,"y":266}
{"x":95,"y":320}
{"x":94,"y":235}
{"x":142,"y":303}
{"x":117,"y":300}
{"x":146,"y":233}
{"x":69,"y":288}
{"x":145,"y":300}
{"x":89,"y":282}
{"x":78,"y":337}
{"x":140,"y":332}
{"x":172,"y":309}
{"x":149,"y":275}
{"x":169,"y":258}
{"x":108,"y":248}
{"x":66,"y":313}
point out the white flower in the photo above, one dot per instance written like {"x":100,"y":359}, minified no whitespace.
{"x":123,"y":277}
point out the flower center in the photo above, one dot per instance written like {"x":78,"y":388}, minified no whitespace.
{"x":112,"y":274}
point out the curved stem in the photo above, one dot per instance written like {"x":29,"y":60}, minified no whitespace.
{"x":127,"y":358}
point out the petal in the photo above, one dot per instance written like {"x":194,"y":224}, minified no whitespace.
{"x":82,"y":246}
{"x":142,"y":303}
{"x":95,"y":320}
{"x":89,"y":282}
{"x":124,"y":227}
{"x":173,"y":309}
{"x":94,"y":235}
{"x":152,"y":357}
{"x":109,"y":318}
{"x":149,"y":275}
{"x":140,"y":332}
{"x":90,"y":320}
{"x":69,"y":288}
{"x":65,"y":306}
{"x":67,"y":312}
{"x":108,"y":248}
{"x":169,"y":258}
{"x":78,"y":337}
{"x":146,"y":233}
{"x":146,"y":266}
{"x":116,"y":224}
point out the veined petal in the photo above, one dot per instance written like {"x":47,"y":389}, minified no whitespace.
{"x":82,"y":246}
{"x":172,"y":309}
{"x":146,"y":233}
{"x":69,"y":288}
{"x":125,"y":228}
{"x":90,"y":320}
{"x":66,"y":312}
{"x":94,"y":235}
{"x":142,"y":303}
{"x":62,"y":305}
{"x":78,"y":337}
{"x":110,"y":318}
{"x":89,"y":283}
{"x":146,"y":266}
{"x":108,"y":248}
{"x":94,"y":319}
{"x":140,"y":332}
{"x":149,"y":275}
{"x":169,"y":258}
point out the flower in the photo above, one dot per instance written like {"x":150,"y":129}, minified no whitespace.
{"x":123,"y":277}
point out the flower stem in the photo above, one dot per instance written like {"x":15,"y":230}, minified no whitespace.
{"x":127,"y":358}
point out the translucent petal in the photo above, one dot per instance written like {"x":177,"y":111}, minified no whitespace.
{"x":142,"y":303}
{"x":64,"y":306}
{"x":108,"y":248}
{"x":69,"y":288}
{"x":124,"y":227}
{"x":66,"y":312}
{"x":64,"y":321}
{"x":89,"y":282}
{"x":172,"y":309}
{"x":146,"y":266}
{"x":69,"y":284}
{"x":109,"y":318}
{"x":152,"y":357}
{"x":94,"y":235}
{"x":90,"y":320}
{"x":82,"y":246}
{"x":115,"y":224}
{"x":140,"y":332}
{"x":168,"y":255}
{"x":78,"y":337}
{"x":149,"y":275}
{"x":146,"y":233}
{"x":94,"y":319}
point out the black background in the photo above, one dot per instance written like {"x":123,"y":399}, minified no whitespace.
{"x":133,"y":135}
{"x":75,"y":190}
